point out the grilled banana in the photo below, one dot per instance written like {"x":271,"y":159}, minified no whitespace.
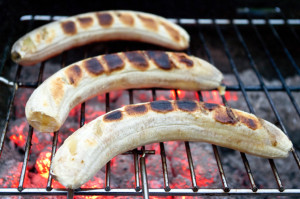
{"x":53,"y":38}
{"x":92,"y":146}
{"x":50,"y":104}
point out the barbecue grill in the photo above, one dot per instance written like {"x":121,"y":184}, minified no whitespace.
{"x":267,"y":31}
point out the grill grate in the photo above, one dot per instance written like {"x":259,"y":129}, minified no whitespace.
{"x":140,"y":155}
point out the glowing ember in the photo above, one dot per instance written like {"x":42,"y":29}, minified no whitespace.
{"x":11,"y":179}
{"x":231,"y":96}
{"x":180,"y":93}
{"x":95,"y":182}
{"x":18,"y":131}
{"x":211,"y":97}
{"x":214,"y":96}
{"x":91,"y":114}
{"x":43,"y":164}
{"x":18,"y":134}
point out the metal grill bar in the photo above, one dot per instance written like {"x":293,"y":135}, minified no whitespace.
{"x":215,"y":149}
{"x":5,"y":51}
{"x":228,"y":88}
{"x":244,"y":158}
{"x":55,"y":136}
{"x":291,"y":28}
{"x":163,"y":156}
{"x":29,"y":138}
{"x":26,"y":157}
{"x":274,"y":65}
{"x":2,"y":139}
{"x":189,"y":156}
{"x":70,"y":194}
{"x":153,"y":192}
{"x":107,"y":170}
{"x":145,"y":189}
{"x":136,"y":171}
{"x":286,"y":51}
{"x":191,"y":166}
{"x":264,"y":88}
{"x":54,"y":146}
{"x":135,"y":154}
{"x":164,"y":166}
{"x":281,"y":188}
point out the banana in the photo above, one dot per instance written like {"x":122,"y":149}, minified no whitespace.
{"x":89,"y":148}
{"x":49,"y":105}
{"x":53,"y":38}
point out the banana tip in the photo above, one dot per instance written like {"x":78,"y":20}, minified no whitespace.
{"x":15,"y":56}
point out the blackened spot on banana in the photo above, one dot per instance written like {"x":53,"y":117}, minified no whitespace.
{"x":113,"y":116}
{"x":161,"y":59}
{"x":93,"y":66}
{"x":249,"y":120}
{"x":210,"y":106}
{"x":114,"y":62}
{"x":136,"y":109}
{"x":74,"y":74}
{"x":69,"y":27}
{"x":183,"y":58}
{"x":225,"y":115}
{"x":187,"y":105}
{"x":137,"y":59}
{"x":105,"y":19}
{"x":161,"y":106}
{"x":85,"y":22}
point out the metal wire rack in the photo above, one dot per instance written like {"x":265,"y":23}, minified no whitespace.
{"x":142,"y":189}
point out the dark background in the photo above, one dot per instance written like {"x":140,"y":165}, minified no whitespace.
{"x":190,"y":9}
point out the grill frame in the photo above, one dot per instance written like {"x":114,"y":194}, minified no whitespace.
{"x":139,"y":155}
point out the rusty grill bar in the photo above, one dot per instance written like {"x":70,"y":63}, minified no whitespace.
{"x":140,"y":155}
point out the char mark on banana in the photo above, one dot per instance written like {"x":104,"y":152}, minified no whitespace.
{"x":113,"y":116}
{"x":126,"y":19}
{"x":74,"y":74}
{"x":162,"y":106}
{"x":148,"y":22}
{"x":137,"y":59}
{"x":188,"y":106}
{"x":135,"y":110}
{"x":105,"y":19}
{"x":69,"y":27}
{"x":85,"y":22}
{"x":161,"y":59}
{"x":93,"y":66}
{"x":114,"y":62}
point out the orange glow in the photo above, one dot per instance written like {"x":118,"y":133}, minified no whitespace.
{"x":211,"y":97}
{"x":161,"y":97}
{"x":173,"y":94}
{"x":180,"y":93}
{"x":11,"y":180}
{"x":95,"y":182}
{"x":204,"y":182}
{"x":214,"y":96}
{"x":18,"y":138}
{"x":43,"y":164}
